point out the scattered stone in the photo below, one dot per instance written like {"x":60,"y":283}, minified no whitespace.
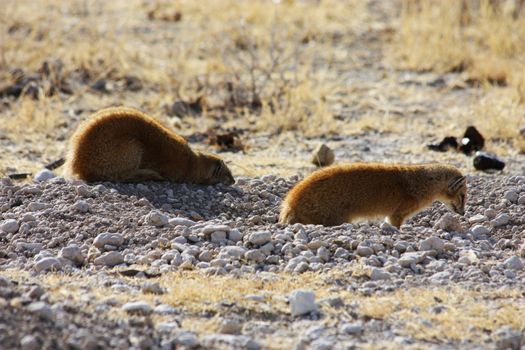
{"x":468,"y":257}
{"x":229,"y":326}
{"x":44,"y":175}
{"x":81,"y":206}
{"x":352,"y":328}
{"x":450,"y":223}
{"x":322,"y":156}
{"x":411,"y":258}
{"x":152,"y":288}
{"x":254,"y":255}
{"x":363,"y":250}
{"x":508,"y":338}
{"x":302,"y":302}
{"x":501,"y":220}
{"x":30,"y":342}
{"x":432,"y":243}
{"x":36,"y":292}
{"x":164,"y":309}
{"x":214,"y":228}
{"x":480,"y":230}
{"x":48,"y":264}
{"x":137,"y":307}
{"x":477,"y":219}
{"x":73,"y":253}
{"x":378,"y":274}
{"x":260,"y":238}
{"x":156,"y":218}
{"x":42,"y":309}
{"x":109,"y":259}
{"x":9,"y":226}
{"x":181,"y":222}
{"x":113,"y":239}
{"x":514,"y":263}
{"x":235,"y":235}
{"x":511,"y":196}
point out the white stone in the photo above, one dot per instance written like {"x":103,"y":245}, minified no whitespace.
{"x":480,"y":230}
{"x":478,"y":218}
{"x":511,"y":196}
{"x":432,"y":243}
{"x":178,"y":221}
{"x":218,"y":236}
{"x":450,"y":223}
{"x":324,"y":254}
{"x":501,"y":220}
{"x":232,"y":252}
{"x":42,"y":309}
{"x":156,"y":218}
{"x":302,"y":302}
{"x":105,"y":238}
{"x":81,"y":206}
{"x":407,"y":259}
{"x":514,"y":263}
{"x":152,"y":288}
{"x":212,"y":228}
{"x":109,"y":259}
{"x":260,"y":238}
{"x":166,"y":326}
{"x":73,"y":253}
{"x":235,"y":235}
{"x":363,"y":250}
{"x":468,"y":256}
{"x":164,"y":309}
{"x":521,"y":200}
{"x":44,"y":175}
{"x":137,"y":307}
{"x":378,"y":274}
{"x":47,"y":264}
{"x":352,"y":328}
{"x":29,"y":342}
{"x":254,"y":255}
{"x":9,"y":226}
{"x":31,"y":247}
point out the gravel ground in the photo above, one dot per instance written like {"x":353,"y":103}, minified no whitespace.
{"x":91,"y":229}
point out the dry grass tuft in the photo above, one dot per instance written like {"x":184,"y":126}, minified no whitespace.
{"x":486,"y":39}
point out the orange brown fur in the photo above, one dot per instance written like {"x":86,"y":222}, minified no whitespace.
{"x":343,"y":193}
{"x":124,"y":144}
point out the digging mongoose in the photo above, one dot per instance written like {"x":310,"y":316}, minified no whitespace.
{"x":125,"y":145}
{"x":343,"y":193}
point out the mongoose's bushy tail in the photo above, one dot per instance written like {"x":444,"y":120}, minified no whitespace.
{"x":287,"y":216}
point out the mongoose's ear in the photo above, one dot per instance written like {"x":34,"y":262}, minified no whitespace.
{"x":456,"y":184}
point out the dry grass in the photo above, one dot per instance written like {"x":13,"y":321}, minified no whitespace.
{"x":466,"y":314}
{"x":484,"y":40}
{"x":256,"y":57}
{"x":487,"y":43}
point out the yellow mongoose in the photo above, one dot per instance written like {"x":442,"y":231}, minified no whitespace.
{"x":124,"y":144}
{"x":343,"y":193}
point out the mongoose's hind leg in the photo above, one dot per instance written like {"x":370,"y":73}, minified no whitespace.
{"x":140,"y":175}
